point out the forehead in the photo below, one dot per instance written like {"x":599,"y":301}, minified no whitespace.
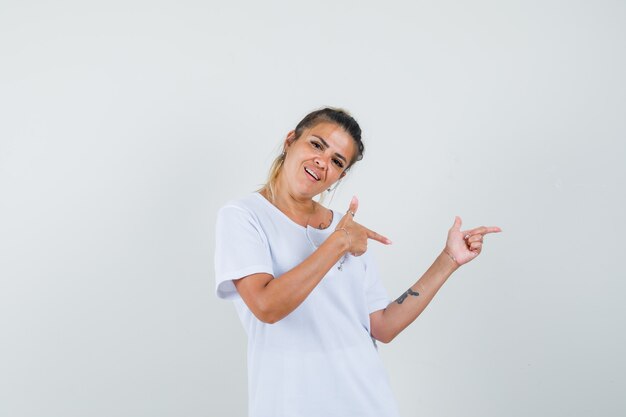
{"x":337,"y":138}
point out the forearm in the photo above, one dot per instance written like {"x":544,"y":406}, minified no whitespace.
{"x":404,"y":310}
{"x":283,"y":295}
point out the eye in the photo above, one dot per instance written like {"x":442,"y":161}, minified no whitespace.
{"x":338,"y":162}
{"x":316,"y":145}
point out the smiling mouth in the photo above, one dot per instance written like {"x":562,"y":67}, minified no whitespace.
{"x":312,"y":174}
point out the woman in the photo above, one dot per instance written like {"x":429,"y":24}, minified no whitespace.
{"x":305,"y":288}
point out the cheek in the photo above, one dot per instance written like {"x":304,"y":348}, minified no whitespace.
{"x":337,"y":174}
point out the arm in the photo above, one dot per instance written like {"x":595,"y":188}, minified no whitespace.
{"x":461,"y":247}
{"x":388,"y":323}
{"x":271,"y":299}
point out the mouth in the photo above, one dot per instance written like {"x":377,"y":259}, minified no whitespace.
{"x":312,"y":174}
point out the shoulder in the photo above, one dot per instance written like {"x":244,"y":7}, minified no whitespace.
{"x":250,"y":212}
{"x":247,"y":202}
{"x":251,"y":204}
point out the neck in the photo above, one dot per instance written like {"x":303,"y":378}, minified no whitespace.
{"x":299,"y":209}
{"x":288,"y":202}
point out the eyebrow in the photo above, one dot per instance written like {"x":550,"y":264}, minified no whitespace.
{"x":338,"y":155}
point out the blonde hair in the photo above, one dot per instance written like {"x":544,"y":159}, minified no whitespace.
{"x":275,"y":168}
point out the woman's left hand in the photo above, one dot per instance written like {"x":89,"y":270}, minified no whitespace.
{"x":463,"y":246}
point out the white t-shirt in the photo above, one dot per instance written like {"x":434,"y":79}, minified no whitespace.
{"x":320,"y":360}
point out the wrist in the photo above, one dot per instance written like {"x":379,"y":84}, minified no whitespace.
{"x":450,"y":259}
{"x":346,"y":239}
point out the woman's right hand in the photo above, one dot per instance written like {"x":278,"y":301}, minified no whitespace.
{"x":357,"y":234}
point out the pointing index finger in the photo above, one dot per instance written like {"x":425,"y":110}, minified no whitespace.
{"x":483,"y":230}
{"x":378,"y":237}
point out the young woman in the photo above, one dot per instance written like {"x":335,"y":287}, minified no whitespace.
{"x":307,"y":291}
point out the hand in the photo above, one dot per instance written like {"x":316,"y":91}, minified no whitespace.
{"x":463,"y":246}
{"x":356,"y":234}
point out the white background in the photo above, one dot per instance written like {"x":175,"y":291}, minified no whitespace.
{"x":125,"y":125}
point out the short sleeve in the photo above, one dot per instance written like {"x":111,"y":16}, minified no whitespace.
{"x":241,"y":249}
{"x":376,"y":296}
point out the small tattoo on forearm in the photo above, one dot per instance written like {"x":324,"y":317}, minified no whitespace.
{"x":408,"y":292}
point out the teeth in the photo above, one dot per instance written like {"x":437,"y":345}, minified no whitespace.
{"x":312,"y":173}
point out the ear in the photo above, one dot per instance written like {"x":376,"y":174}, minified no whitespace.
{"x":291,"y":137}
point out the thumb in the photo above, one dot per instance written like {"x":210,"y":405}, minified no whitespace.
{"x":354,"y":205}
{"x":457,"y":223}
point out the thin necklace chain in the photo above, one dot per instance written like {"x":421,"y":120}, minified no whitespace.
{"x":306,"y":231}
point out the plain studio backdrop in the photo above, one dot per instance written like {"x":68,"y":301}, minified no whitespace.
{"x":125,"y":125}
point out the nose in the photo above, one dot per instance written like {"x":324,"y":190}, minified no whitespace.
{"x":320,"y":162}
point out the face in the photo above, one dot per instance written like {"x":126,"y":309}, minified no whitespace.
{"x":317,"y":159}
